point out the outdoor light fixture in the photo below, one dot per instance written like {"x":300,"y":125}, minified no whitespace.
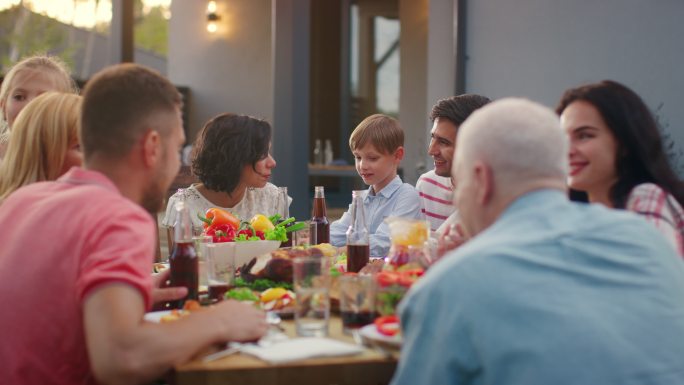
{"x":212,"y":17}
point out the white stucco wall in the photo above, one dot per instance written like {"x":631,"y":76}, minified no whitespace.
{"x":413,"y":15}
{"x":428,"y":73}
{"x":539,"y":48}
{"x":229,"y":71}
{"x":531,"y":48}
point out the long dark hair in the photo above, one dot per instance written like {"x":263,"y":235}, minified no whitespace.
{"x":640,"y":155}
{"x":225,"y":145}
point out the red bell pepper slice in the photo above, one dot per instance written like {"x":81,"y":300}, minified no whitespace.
{"x":386,"y":278}
{"x":250,"y":232}
{"x":387,"y":325}
{"x":221,"y":233}
{"x":406,"y":280}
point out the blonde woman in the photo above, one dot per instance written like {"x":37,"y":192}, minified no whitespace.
{"x":26,"y":80}
{"x":44,"y":143}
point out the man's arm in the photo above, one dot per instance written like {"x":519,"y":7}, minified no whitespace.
{"x":123,"y":349}
{"x":162,"y":293}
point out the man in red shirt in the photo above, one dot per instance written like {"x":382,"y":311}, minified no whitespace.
{"x":77,"y":253}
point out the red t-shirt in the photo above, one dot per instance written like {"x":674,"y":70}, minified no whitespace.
{"x":59,"y":241}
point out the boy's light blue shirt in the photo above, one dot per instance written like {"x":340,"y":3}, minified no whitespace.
{"x":396,"y":199}
{"x":554,"y":292}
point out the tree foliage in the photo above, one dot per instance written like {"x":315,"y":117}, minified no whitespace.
{"x":151,"y":30}
{"x":37,"y":34}
{"x":24,"y":33}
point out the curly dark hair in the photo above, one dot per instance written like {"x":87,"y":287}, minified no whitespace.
{"x":226,"y":144}
{"x":640,"y":157}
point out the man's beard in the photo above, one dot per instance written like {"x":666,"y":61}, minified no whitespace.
{"x":153,"y":196}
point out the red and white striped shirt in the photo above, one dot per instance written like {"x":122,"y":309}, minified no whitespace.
{"x":436,"y":196}
{"x":661,"y":209}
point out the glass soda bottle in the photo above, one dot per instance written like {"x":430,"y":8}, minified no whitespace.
{"x":285,"y":214}
{"x":320,"y":227}
{"x":358,"y":246}
{"x":318,"y":152}
{"x":328,"y":152}
{"x":183,"y":260}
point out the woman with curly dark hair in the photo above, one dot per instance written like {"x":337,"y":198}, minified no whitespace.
{"x":231,"y":158}
{"x":617,"y":156}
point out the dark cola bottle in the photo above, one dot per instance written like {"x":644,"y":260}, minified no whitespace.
{"x":320,"y":227}
{"x":183,"y":260}
{"x":358,"y":246}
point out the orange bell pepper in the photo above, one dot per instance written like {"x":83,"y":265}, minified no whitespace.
{"x":216,"y":217}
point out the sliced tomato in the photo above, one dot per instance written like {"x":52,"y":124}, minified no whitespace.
{"x":387,"y":325}
{"x":386,"y":278}
{"x":406,"y":280}
{"x":414,"y":272}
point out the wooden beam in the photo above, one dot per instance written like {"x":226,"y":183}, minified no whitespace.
{"x":291,"y":52}
{"x":460,"y":48}
{"x":121,"y":32}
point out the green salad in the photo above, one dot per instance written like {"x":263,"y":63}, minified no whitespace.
{"x":241,"y":294}
{"x":261,"y":284}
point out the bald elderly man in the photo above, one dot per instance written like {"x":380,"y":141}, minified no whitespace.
{"x":546,"y":291}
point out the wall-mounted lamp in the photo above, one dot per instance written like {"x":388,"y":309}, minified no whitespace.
{"x":212,"y":17}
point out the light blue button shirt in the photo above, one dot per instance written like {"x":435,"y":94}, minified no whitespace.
{"x":554,"y":292}
{"x":396,"y":199}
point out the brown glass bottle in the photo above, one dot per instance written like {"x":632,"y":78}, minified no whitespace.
{"x":320,"y":227}
{"x":358,"y":238}
{"x":183,"y":260}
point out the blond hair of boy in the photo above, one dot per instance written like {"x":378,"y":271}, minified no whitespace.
{"x":382,"y":131}
{"x":378,"y":147}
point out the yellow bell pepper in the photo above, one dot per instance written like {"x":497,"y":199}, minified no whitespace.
{"x":261,"y":223}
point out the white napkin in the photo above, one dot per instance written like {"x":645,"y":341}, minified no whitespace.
{"x":301,"y":348}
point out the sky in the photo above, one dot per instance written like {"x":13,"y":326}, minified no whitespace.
{"x":81,"y":13}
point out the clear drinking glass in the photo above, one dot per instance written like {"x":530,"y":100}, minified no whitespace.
{"x":304,"y":236}
{"x":408,"y":238}
{"x":357,"y":301}
{"x":201,"y":242}
{"x":220,"y":267}
{"x":312,"y":288}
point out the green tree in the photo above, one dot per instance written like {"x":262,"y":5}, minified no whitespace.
{"x":26,"y":33}
{"x":151,"y":30}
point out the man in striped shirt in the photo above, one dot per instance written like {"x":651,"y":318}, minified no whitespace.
{"x":435,"y":186}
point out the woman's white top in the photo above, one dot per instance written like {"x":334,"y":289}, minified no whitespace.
{"x":265,"y":200}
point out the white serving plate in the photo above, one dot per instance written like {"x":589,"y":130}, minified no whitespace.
{"x":371,"y":333}
{"x":245,"y":251}
{"x":156,"y":316}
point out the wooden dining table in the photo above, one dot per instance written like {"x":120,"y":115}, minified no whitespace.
{"x":374,"y":366}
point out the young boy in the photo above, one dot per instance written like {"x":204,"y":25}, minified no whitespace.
{"x":378,"y":147}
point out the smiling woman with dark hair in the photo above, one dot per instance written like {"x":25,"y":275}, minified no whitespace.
{"x":617,"y":156}
{"x":232,"y":160}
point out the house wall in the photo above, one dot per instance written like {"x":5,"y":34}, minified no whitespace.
{"x":413,"y":16}
{"x":229,"y":71}
{"x":441,"y":67}
{"x":539,"y":48}
{"x":530,"y":48}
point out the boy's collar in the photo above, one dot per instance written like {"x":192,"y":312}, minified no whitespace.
{"x":388,"y":190}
